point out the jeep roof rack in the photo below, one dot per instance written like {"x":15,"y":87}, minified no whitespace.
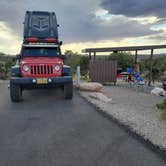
{"x":40,"y":45}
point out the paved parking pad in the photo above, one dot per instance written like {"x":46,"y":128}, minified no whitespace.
{"x":46,"y":130}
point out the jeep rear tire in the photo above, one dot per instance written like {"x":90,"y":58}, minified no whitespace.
{"x":68,"y":91}
{"x":15,"y":92}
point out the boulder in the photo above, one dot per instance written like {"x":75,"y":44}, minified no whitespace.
{"x":100,"y":96}
{"x":90,"y":86}
{"x":158,"y":91}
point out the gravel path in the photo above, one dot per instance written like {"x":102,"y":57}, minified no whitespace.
{"x":136,"y":110}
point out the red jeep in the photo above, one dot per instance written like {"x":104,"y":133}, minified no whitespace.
{"x":40,"y":64}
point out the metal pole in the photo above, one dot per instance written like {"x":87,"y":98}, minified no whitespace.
{"x":151,"y":68}
{"x":78,"y":75}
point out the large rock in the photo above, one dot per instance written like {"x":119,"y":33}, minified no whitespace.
{"x":158,"y":92}
{"x":90,"y":86}
{"x":100,"y":96}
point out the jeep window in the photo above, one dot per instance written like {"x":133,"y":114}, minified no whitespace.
{"x":39,"y":52}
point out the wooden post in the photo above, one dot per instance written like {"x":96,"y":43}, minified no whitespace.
{"x":89,"y":55}
{"x":151,"y":68}
{"x":94,"y":55}
{"x":136,"y":65}
{"x":136,"y":55}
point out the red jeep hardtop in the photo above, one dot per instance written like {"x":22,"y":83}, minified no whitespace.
{"x":40,"y":63}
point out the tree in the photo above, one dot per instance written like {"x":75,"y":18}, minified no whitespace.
{"x":2,"y":70}
{"x":8,"y":64}
{"x":124,"y":60}
{"x":159,"y":67}
{"x":74,"y":59}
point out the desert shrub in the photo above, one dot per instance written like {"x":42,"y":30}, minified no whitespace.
{"x":162,"y":105}
{"x":84,"y":64}
{"x":6,"y":62}
{"x":74,"y":59}
{"x":124,"y":60}
{"x":159,"y":67}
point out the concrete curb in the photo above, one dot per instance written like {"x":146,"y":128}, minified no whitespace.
{"x":155,"y":148}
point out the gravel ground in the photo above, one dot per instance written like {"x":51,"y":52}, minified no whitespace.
{"x":136,"y":110}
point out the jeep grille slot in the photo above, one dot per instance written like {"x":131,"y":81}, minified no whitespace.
{"x":41,"y":70}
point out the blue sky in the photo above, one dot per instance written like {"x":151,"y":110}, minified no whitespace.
{"x":87,"y":23}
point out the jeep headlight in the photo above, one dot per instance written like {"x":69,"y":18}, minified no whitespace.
{"x":25,"y":68}
{"x":57,"y":67}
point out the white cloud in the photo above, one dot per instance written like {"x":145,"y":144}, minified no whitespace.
{"x":82,"y":24}
{"x":9,"y":42}
{"x":146,"y":20}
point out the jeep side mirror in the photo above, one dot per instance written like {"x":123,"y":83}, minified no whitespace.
{"x":64,"y":57}
{"x":18,"y":56}
{"x":60,"y":43}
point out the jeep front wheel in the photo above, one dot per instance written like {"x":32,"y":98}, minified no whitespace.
{"x":68,"y":91}
{"x":15,"y":92}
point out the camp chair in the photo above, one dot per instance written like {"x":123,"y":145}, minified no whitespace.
{"x":139,"y":82}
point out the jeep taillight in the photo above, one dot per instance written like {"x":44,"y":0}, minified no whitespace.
{"x":32,"y":39}
{"x":35,"y":40}
{"x":50,"y":40}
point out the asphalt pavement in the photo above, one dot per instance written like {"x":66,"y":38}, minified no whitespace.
{"x":46,"y":130}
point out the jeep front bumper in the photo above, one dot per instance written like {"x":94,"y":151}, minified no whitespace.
{"x":32,"y":83}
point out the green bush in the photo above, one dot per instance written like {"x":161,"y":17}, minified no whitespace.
{"x":124,"y":60}
{"x":2,"y":66}
{"x":84,"y":65}
{"x":74,"y":59}
{"x":159,"y":67}
{"x":162,"y":105}
{"x":6,"y":62}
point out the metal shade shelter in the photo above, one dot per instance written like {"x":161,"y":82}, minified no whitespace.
{"x":93,"y":51}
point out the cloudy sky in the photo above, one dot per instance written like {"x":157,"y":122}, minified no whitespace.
{"x":89,"y":23}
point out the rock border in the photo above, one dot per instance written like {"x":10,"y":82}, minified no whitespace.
{"x":160,"y":151}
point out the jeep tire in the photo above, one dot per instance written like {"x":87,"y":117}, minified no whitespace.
{"x":15,"y":92}
{"x":68,"y":91}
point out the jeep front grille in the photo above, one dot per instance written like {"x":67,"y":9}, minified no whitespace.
{"x":41,"y":69}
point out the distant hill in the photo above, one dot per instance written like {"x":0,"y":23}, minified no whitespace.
{"x":146,"y":56}
{"x":140,"y":56}
{"x":6,"y":57}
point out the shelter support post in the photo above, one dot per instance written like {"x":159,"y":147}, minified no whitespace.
{"x":151,"y":67}
{"x":136,"y":65}
{"x":89,"y":55}
{"x":136,"y":55}
{"x":94,"y":55}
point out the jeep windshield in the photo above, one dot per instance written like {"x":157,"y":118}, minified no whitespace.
{"x":40,"y":52}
